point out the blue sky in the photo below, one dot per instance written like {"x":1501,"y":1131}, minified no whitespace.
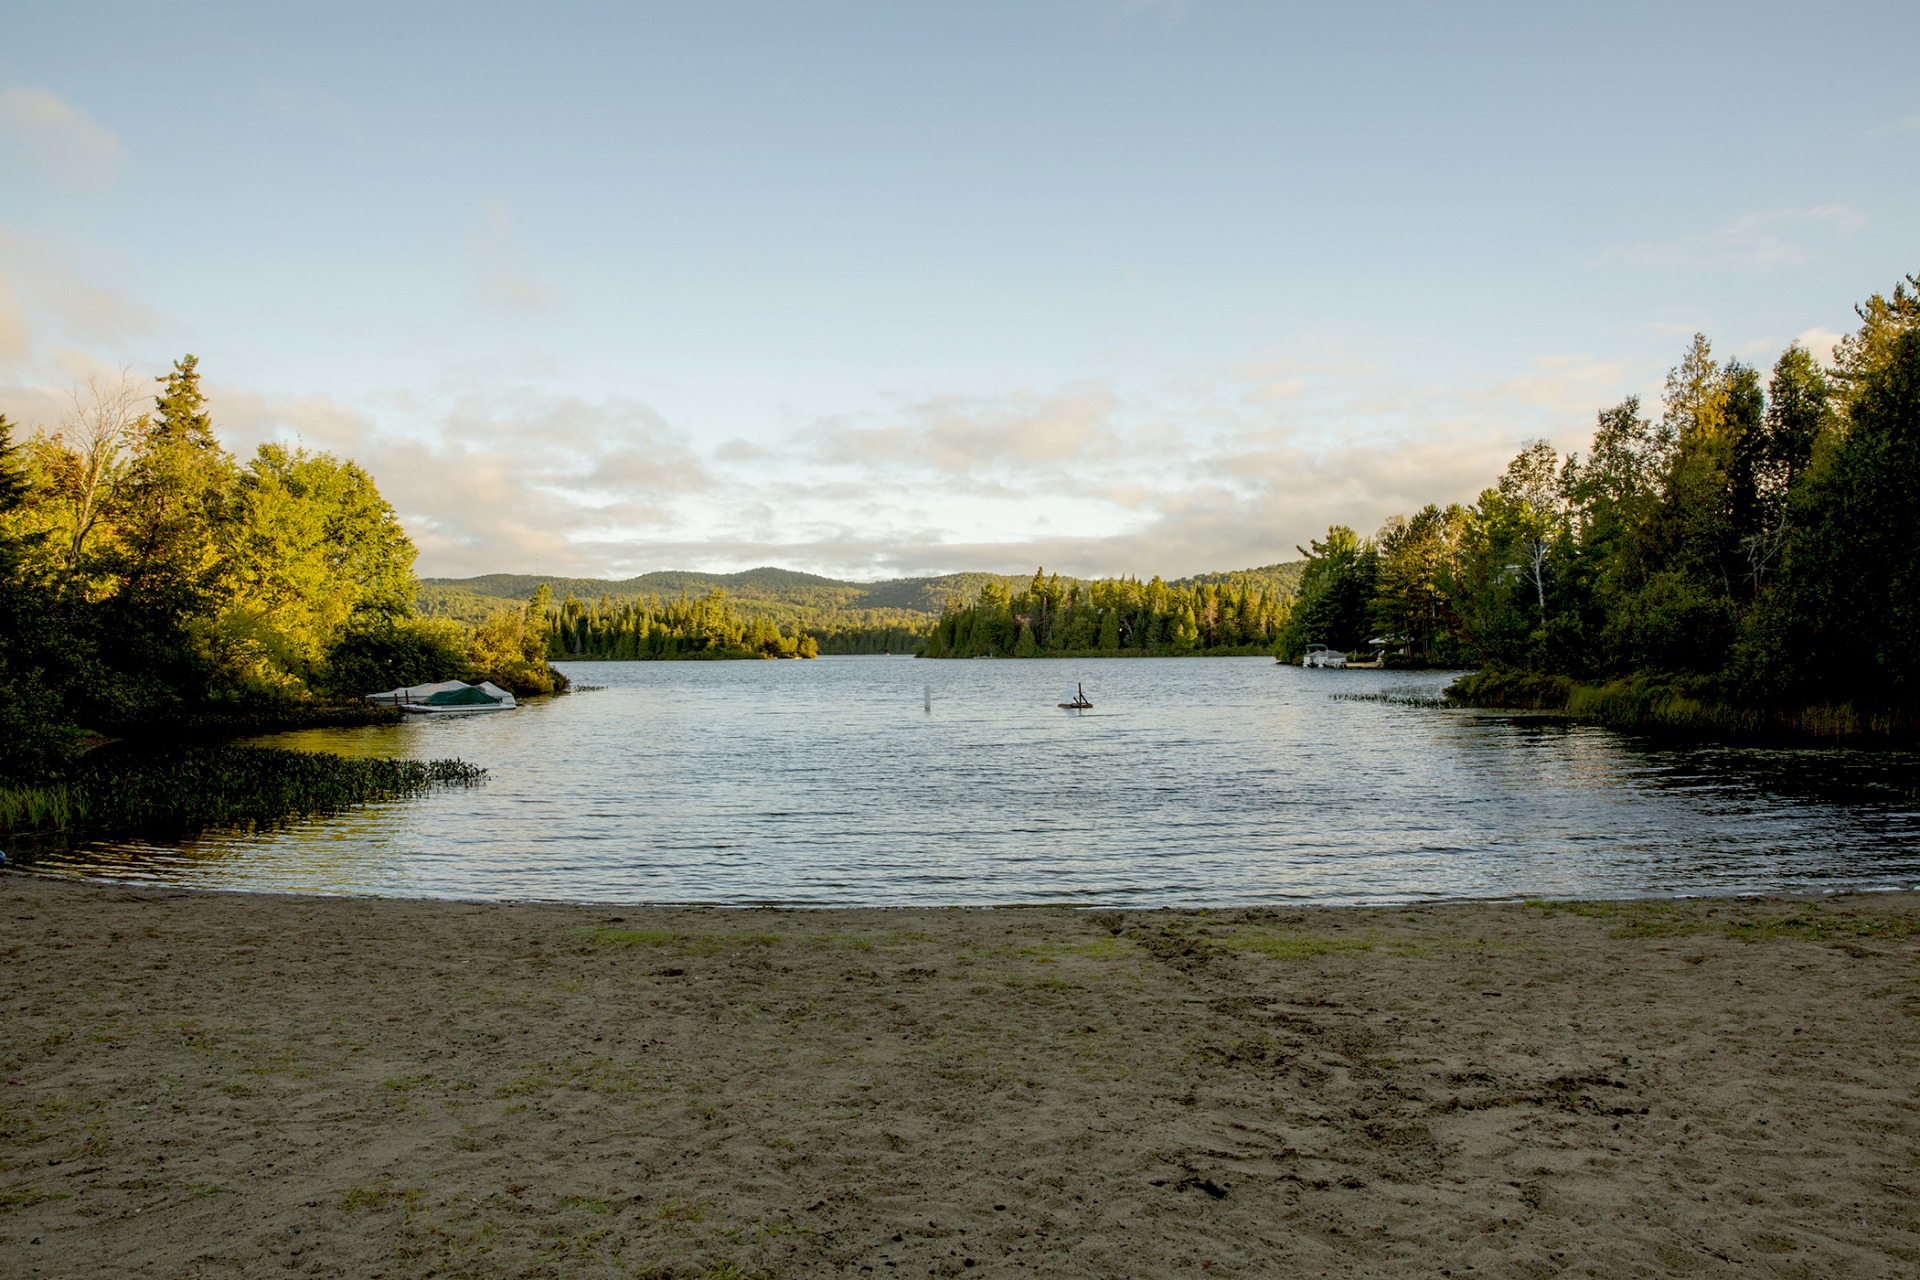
{"x":874,"y":289}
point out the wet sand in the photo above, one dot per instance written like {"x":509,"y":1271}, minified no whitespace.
{"x":226,"y":1085}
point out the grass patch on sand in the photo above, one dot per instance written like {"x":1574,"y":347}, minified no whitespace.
{"x":1304,"y":944}
{"x":28,"y":1195}
{"x":1105,"y":948}
{"x":1683,"y":919}
{"x":591,"y":1204}
{"x":693,"y":944}
{"x":1289,"y":944}
{"x":597,"y":1075}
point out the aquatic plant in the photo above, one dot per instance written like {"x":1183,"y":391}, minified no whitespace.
{"x":183,"y":789}
{"x":1392,"y":699}
{"x":1671,"y":705}
{"x":29,"y":808}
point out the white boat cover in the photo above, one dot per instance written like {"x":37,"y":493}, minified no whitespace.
{"x":420,"y":694}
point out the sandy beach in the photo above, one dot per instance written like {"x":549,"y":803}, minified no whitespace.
{"x":228,"y":1085}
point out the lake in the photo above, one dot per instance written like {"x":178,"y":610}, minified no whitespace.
{"x":1222,"y":781}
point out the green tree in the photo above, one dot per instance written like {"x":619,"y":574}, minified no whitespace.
{"x":1416,"y":556}
{"x":1336,"y":596}
{"x":1848,"y":622}
{"x":1883,"y":320}
{"x":1535,"y":497}
{"x":310,"y":546}
{"x":176,"y":497}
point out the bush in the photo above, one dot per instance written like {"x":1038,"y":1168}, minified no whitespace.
{"x":1516,"y":690}
{"x":389,"y":653}
{"x":512,"y":653}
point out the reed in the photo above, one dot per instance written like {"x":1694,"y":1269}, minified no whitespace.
{"x":184,"y":789}
{"x":1396,"y":699}
{"x":1642,"y":704}
{"x":32,"y":808}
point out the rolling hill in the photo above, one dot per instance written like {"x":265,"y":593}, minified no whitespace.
{"x":786,"y":595}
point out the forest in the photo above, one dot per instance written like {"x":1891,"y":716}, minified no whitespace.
{"x":704,"y":627}
{"x":1112,"y":617}
{"x":891,"y":616}
{"x":1748,"y":559}
{"x":154,"y":588}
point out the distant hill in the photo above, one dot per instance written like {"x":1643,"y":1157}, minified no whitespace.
{"x":783,"y":594}
{"x":1282,"y":579}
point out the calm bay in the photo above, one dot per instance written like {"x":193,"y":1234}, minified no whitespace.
{"x":1224,"y":781}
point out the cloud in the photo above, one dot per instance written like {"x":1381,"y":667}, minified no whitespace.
{"x":1222,"y":468}
{"x":1090,"y":480}
{"x":1087,"y":480}
{"x":514,"y":293}
{"x":1756,"y":242}
{"x":499,"y":285}
{"x":1906,"y":126}
{"x":63,"y":138}
{"x":957,"y":436}
{"x":1820,"y":342}
{"x":15,"y":346}
{"x":514,"y":480}
{"x":48,"y":305}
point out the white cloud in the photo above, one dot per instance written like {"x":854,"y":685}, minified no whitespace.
{"x":514,"y":293}
{"x":1756,"y":242}
{"x":15,"y":345}
{"x":1820,"y":342}
{"x":508,"y":481}
{"x":51,"y":311}
{"x":499,"y":284}
{"x":1221,"y":468}
{"x":1226,"y":472}
{"x":63,"y":138}
{"x":1086,"y":480}
{"x":970,"y":437}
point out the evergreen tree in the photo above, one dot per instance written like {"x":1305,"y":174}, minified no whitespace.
{"x":180,"y":410}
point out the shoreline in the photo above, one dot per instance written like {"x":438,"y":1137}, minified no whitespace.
{"x":242,"y":1083}
{"x":29,"y":869}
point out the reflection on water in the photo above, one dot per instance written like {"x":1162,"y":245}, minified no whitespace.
{"x":873,"y":780}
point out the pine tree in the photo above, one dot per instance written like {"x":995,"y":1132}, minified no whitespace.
{"x":180,"y":410}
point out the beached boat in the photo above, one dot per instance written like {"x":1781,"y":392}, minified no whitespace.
{"x":446,"y":696}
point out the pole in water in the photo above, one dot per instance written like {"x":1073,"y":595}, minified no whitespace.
{"x":926,"y":694}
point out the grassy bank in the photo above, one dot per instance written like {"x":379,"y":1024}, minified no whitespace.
{"x":174,"y":791}
{"x":1650,"y":704}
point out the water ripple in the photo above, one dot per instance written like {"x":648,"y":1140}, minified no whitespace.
{"x":1217,"y":781}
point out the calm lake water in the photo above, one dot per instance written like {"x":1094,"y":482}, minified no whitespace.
{"x":1202,"y":781}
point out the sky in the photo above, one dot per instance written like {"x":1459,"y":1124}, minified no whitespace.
{"x":876,"y":290}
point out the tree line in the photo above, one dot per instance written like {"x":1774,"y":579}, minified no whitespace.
{"x":645,"y":628}
{"x":1113,"y":616}
{"x":1756,"y":544}
{"x":151,"y":581}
